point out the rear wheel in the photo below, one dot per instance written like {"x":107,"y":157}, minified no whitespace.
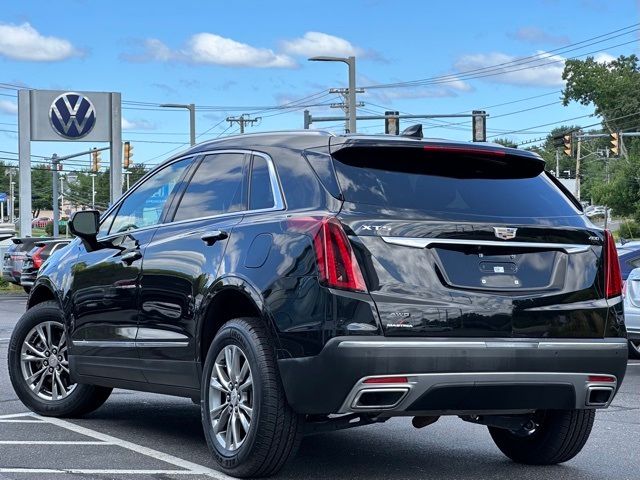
{"x":552,"y":437}
{"x":634,"y":348}
{"x":39,"y":366}
{"x":248,"y":424}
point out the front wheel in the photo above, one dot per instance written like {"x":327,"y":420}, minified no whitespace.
{"x":552,"y":436}
{"x":634,"y":348}
{"x":39,"y":366}
{"x":249,"y":426}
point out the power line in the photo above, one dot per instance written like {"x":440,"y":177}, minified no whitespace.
{"x":473,"y":73}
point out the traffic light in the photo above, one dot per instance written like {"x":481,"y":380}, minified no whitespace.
{"x":614,"y":148}
{"x":479,"y":125}
{"x":95,"y":160}
{"x":392,"y":123}
{"x":128,"y":153}
{"x":568,"y":145}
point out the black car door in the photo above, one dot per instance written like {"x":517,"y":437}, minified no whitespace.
{"x":105,"y":280}
{"x":181,"y":260}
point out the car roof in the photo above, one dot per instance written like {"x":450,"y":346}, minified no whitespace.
{"x":304,"y":139}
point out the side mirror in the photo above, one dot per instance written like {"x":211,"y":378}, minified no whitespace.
{"x":85,"y":224}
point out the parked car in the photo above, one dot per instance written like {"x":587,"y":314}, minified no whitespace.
{"x":36,"y":257}
{"x":304,"y":282}
{"x":14,"y":257}
{"x":629,"y":255}
{"x":40,"y":222}
{"x":632,"y":311}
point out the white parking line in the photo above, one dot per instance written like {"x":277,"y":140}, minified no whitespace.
{"x":17,"y":415}
{"x":84,"y":471}
{"x":53,"y":442}
{"x":190,"y":468}
{"x":19,"y":420}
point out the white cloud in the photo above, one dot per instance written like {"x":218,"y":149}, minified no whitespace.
{"x":23,"y":42}
{"x":545,"y":71}
{"x":137,"y":124}
{"x":9,"y":107}
{"x":208,"y":48}
{"x":603,"y":57}
{"x":536,"y":35}
{"x":318,"y":43}
{"x":211,"y":48}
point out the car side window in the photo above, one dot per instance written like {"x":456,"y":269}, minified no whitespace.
{"x":143,"y":208}
{"x":215,"y":188}
{"x":105,"y":224}
{"x":261,"y":192}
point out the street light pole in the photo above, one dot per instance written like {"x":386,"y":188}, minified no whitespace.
{"x":351,"y":97}
{"x":54,"y":185}
{"x":192,"y":117}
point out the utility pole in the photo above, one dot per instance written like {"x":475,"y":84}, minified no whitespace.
{"x":54,"y":183}
{"x":557,"y":163}
{"x":346,"y":104}
{"x":242,"y":120}
{"x":93,"y":191}
{"x":578,"y":168}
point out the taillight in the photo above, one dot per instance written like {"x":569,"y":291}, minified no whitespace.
{"x":36,"y":258}
{"x":337,"y":264}
{"x":613,"y":277}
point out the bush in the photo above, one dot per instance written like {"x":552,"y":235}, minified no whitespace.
{"x":629,"y":229}
{"x":49,"y":229}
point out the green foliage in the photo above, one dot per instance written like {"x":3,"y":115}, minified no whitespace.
{"x":613,"y":88}
{"x":79,"y":191}
{"x":629,"y":229}
{"x":506,"y":142}
{"x":49,"y":229}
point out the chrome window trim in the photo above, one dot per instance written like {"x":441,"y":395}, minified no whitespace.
{"x":276,"y":188}
{"x":427,"y":242}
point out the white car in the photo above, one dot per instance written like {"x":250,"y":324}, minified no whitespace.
{"x":632,"y":311}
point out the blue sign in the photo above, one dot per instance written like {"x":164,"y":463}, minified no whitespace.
{"x":3,"y":197}
{"x":72,"y":115}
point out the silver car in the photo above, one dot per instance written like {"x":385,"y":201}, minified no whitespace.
{"x":632,"y":311}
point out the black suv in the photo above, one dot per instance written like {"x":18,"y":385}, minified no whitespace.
{"x":299,"y":282}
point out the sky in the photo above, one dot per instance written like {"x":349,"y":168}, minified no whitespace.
{"x":231,"y":58}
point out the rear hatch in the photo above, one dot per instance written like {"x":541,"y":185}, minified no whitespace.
{"x":470,"y":241}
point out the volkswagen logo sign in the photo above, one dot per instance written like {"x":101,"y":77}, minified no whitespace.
{"x":72,"y":115}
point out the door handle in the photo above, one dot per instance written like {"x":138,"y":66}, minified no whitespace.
{"x":131,"y":256}
{"x":213,"y":236}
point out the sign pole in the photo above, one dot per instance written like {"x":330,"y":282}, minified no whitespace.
{"x":24,"y":154}
{"x":115,"y":171}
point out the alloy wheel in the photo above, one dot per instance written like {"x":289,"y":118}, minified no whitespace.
{"x":44,"y":361}
{"x":231,"y":397}
{"x":635,"y":344}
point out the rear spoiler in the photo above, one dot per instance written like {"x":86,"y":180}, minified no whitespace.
{"x":494,"y":160}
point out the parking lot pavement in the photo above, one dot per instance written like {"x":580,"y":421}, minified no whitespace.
{"x":144,"y":436}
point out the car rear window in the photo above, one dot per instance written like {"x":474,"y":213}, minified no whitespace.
{"x":451,"y":184}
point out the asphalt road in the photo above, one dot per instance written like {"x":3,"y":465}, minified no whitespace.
{"x":144,"y":436}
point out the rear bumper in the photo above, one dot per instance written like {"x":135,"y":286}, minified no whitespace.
{"x":458,"y":376}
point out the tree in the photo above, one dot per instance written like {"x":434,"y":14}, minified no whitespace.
{"x":41,"y":189}
{"x":506,"y":142}
{"x":613,"y":88}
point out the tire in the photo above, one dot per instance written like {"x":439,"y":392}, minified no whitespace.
{"x":559,"y":436}
{"x":274,"y":429}
{"x":69,"y":400}
{"x":634,"y":348}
